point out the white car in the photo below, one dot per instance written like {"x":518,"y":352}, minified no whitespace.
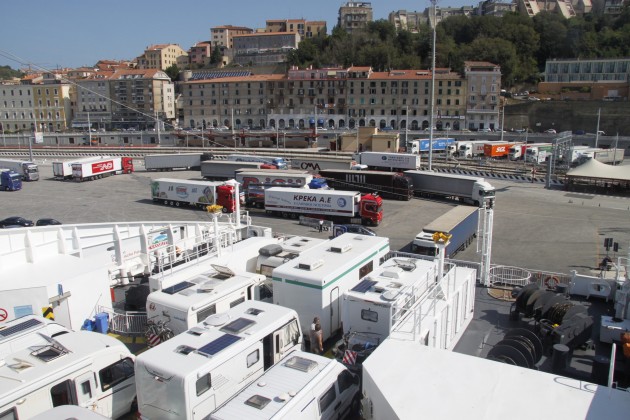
{"x":550,"y":131}
{"x":485,"y":130}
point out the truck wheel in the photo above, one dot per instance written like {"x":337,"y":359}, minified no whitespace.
{"x":294,"y":216}
{"x":177,"y":204}
{"x":285,"y":215}
{"x":166,"y":202}
{"x":224,"y":210}
{"x":172,"y":203}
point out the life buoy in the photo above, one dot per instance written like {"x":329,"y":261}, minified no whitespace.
{"x":551,"y":282}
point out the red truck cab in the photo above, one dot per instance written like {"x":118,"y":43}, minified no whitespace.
{"x":371,"y":209}
{"x":126,"y":165}
{"x":225,"y":198}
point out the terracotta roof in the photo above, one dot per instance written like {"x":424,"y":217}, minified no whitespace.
{"x":358,"y":68}
{"x":231,"y":27}
{"x":480,"y":64}
{"x":145,"y":73}
{"x":252,"y":78}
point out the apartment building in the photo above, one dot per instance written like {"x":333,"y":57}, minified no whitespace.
{"x":139,"y":96}
{"x":16,"y":107}
{"x":93,"y":104}
{"x":199,"y":54}
{"x":484,"y":88}
{"x":263,"y":48}
{"x":326,"y":97}
{"x":306,"y":29}
{"x":221,"y":36}
{"x":407,"y":21}
{"x":355,"y":16}
{"x":163,"y":56}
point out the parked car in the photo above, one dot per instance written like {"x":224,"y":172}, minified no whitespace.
{"x":47,"y":222}
{"x":485,"y":130}
{"x":15,"y":221}
{"x":550,"y":131}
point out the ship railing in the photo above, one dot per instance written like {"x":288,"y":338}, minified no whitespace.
{"x":125,"y":323}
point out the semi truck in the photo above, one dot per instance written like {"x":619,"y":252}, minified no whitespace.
{"x":613,"y":156}
{"x":177,"y":192}
{"x":387,"y":161}
{"x":460,"y":222}
{"x":62,"y":169}
{"x":338,"y":206}
{"x":517,"y":151}
{"x":100,"y":167}
{"x":471,"y":189}
{"x":314,"y":165}
{"x":498,"y":150}
{"x":276,"y":162}
{"x":538,"y":152}
{"x":297,"y":178}
{"x":417,"y":146}
{"x":27,"y":170}
{"x":387,"y":184}
{"x":222,"y":170}
{"x":171,"y":161}
{"x":10,"y":180}
{"x":473,"y":148}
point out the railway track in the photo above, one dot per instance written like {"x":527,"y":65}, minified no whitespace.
{"x":475,"y":166}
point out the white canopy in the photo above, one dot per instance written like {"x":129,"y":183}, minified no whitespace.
{"x":596,"y":169}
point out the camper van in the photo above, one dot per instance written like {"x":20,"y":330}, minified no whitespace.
{"x":382,"y":298}
{"x":27,"y":334}
{"x":214,"y":291}
{"x":81,"y":368}
{"x":274,"y":255}
{"x":313,"y":282}
{"x":302,"y":386}
{"x":193,"y":373}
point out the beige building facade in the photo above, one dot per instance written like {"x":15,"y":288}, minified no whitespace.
{"x":163,"y":56}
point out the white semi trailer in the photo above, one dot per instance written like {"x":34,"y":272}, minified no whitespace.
{"x":471,"y":189}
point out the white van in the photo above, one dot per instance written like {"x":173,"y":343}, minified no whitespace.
{"x":81,"y":368}
{"x":301,"y":386}
{"x":193,"y":373}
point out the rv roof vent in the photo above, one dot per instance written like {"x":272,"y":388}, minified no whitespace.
{"x":392,"y":272}
{"x":217,"y":320}
{"x":270,"y":250}
{"x":301,"y":363}
{"x":407,"y":265}
{"x":257,"y":401}
{"x":208,"y":286}
{"x":310,"y":265}
{"x":196,"y":331}
{"x":390,"y":295}
{"x":183,"y":349}
{"x":341,"y":249}
{"x":254,"y":311}
{"x":223,"y":273}
{"x":394,"y":285}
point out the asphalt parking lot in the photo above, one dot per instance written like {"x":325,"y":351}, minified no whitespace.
{"x":535,"y":228}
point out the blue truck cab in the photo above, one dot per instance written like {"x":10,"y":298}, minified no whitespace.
{"x":10,"y":180}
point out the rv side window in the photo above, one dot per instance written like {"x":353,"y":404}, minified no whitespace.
{"x":253,"y":358}
{"x":344,"y":381}
{"x":365,"y":270}
{"x":61,"y":394}
{"x":206,"y":312}
{"x":327,"y":399}
{"x":368,"y":315}
{"x":237,"y":302}
{"x":9,"y":415}
{"x":116,"y":373}
{"x":203,"y":384}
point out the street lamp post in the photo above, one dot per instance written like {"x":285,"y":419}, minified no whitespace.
{"x":434,"y":3}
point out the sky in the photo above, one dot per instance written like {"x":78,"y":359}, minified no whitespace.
{"x":74,"y":33}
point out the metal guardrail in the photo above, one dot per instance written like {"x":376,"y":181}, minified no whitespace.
{"x":126,"y":323}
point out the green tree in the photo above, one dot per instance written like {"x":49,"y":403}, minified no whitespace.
{"x":216,"y":57}
{"x":7,"y":73}
{"x":172,"y":72}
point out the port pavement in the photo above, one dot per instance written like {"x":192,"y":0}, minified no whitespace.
{"x":535,"y":228}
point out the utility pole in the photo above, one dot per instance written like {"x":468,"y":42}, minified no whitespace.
{"x":597,"y":131}
{"x":434,"y":3}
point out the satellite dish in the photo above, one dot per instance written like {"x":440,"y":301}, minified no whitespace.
{"x":217,"y":320}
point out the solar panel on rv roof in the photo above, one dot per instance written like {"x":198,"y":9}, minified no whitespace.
{"x":238,"y":325}
{"x":364,"y":286}
{"x":22,"y":326}
{"x":177,"y":287}
{"x":213,"y":347}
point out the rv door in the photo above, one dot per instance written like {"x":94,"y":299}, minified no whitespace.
{"x":85,"y":388}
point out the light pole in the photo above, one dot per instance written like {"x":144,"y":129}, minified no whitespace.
{"x":597,"y":131}
{"x":406,"y":123}
{"x":502,"y":121}
{"x":434,"y":3}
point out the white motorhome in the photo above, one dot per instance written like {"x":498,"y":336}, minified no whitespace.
{"x":30,"y":326}
{"x":313,"y":282}
{"x":81,"y":368}
{"x":241,"y":256}
{"x":383,"y":297}
{"x":190,"y":375}
{"x":302,"y":386}
{"x":274,"y":255}
{"x":214,"y":291}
